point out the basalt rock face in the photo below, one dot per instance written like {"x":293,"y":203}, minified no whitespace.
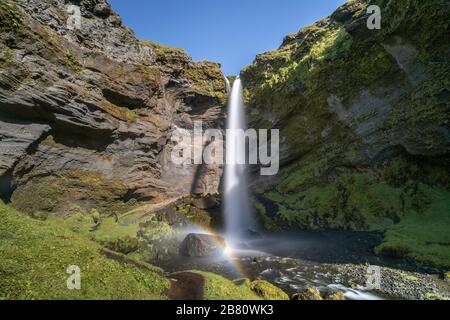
{"x":87,"y":115}
{"x":364,"y":125}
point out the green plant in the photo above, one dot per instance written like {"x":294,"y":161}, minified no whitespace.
{"x":10,"y":17}
{"x":35,"y":255}
{"x":73,"y":61}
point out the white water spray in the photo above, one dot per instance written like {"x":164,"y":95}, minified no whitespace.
{"x":238,"y":220}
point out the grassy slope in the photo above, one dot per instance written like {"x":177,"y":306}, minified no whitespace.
{"x":425,"y":236}
{"x":35,"y":256}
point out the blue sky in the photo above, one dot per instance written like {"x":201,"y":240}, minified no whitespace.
{"x":230,"y":32}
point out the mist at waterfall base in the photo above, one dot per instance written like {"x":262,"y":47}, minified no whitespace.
{"x":237,"y":212}
{"x":295,"y":260}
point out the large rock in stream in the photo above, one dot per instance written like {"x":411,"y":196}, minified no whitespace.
{"x":202,"y":245}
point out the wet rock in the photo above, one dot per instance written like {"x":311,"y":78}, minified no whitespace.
{"x":202,"y":245}
{"x":108,"y":101}
{"x":208,"y":202}
{"x":308,"y":294}
{"x":335,"y":296}
{"x":363,"y":126}
{"x":258,"y":259}
{"x":268,"y":291}
{"x":447,"y":276}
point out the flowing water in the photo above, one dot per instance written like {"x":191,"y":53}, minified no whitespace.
{"x":294,"y":261}
{"x":237,"y":213}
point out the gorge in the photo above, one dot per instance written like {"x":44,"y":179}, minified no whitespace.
{"x":87,"y":118}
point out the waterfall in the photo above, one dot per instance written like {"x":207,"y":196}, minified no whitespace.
{"x":238,"y":218}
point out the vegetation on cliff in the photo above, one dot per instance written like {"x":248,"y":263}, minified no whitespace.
{"x":363,"y":116}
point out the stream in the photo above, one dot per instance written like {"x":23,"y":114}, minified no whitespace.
{"x":329,"y":261}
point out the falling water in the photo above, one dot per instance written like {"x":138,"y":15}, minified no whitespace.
{"x":236,"y":198}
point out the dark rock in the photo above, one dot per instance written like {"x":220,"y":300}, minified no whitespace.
{"x":208,"y":202}
{"x":102,"y":10}
{"x":202,"y":245}
{"x":258,"y":260}
{"x":105,"y":99}
{"x":348,"y":131}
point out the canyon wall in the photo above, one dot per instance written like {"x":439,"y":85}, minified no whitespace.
{"x":364,"y":126}
{"x":87,"y":115}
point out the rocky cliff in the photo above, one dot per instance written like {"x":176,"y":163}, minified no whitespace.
{"x":86,"y":115}
{"x":364,"y":123}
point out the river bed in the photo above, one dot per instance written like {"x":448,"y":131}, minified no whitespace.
{"x":328,"y":261}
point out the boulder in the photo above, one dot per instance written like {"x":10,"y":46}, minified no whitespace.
{"x":308,"y":294}
{"x":268,"y":291}
{"x":202,"y":245}
{"x":208,"y":202}
{"x":447,"y":276}
{"x":335,"y":296}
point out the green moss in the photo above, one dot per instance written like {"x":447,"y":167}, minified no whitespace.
{"x":206,"y":79}
{"x":125,"y":245}
{"x":10,"y":17}
{"x":325,"y":185}
{"x":56,"y":194}
{"x":35,"y":255}
{"x":220,"y":288}
{"x":392,"y":197}
{"x":426,"y":105}
{"x":334,"y":44}
{"x":163,"y":52}
{"x":422,"y":236}
{"x":436,"y":296}
{"x":107,"y":230}
{"x":120,"y":113}
{"x":261,"y":214}
{"x":268,"y":291}
{"x":194,"y":215}
{"x":159,"y":239}
{"x":335,"y":296}
{"x":73,"y":61}
{"x":353,"y":201}
{"x":7,"y":58}
{"x":50,"y":142}
{"x":16,"y":73}
{"x":308,"y":294}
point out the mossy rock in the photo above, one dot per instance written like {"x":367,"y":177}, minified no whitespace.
{"x":73,"y":61}
{"x":308,"y":294}
{"x":447,"y":276}
{"x":164,"y":53}
{"x":220,"y":288}
{"x":335,"y":296}
{"x":84,"y":188}
{"x":125,"y":245}
{"x":10,"y":17}
{"x":268,"y":291}
{"x":392,"y":250}
{"x":436,"y":296}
